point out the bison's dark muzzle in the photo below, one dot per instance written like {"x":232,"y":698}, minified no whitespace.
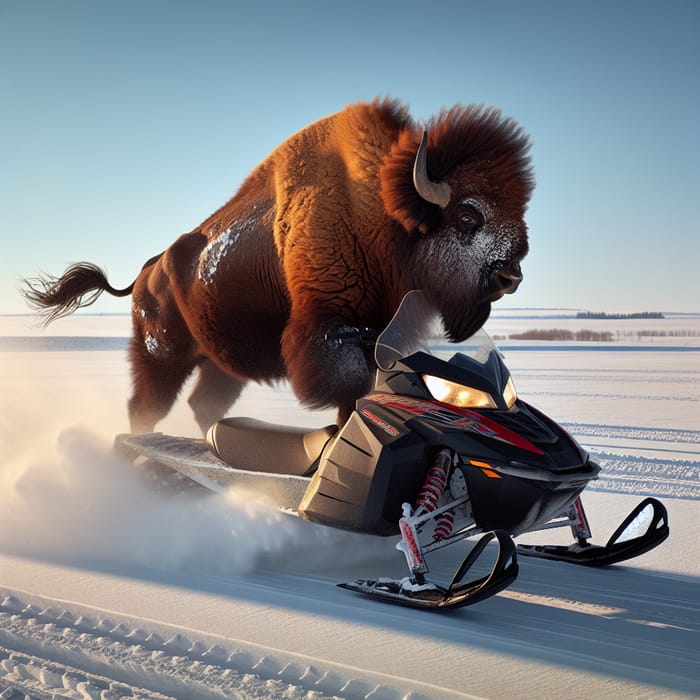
{"x":504,"y":281}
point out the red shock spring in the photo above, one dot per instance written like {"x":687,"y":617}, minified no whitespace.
{"x":443,"y":527}
{"x":435,"y":482}
{"x":429,"y":495}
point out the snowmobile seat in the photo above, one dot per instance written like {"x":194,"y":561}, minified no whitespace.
{"x":247,"y":443}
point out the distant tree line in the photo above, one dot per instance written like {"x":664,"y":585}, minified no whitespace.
{"x":675,"y":333}
{"x":563,"y":334}
{"x":616,"y":317}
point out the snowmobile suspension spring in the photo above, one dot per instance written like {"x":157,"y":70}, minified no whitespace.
{"x":435,"y":482}
{"x":429,"y":495}
{"x":443,"y":528}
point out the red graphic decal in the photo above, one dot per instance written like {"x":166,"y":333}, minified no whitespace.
{"x":378,"y":421}
{"x":455,"y":417}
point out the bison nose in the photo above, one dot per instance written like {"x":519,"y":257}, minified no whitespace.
{"x":504,"y":282}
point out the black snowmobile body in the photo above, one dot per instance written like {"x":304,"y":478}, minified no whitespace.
{"x":441,"y":450}
{"x":364,"y":473}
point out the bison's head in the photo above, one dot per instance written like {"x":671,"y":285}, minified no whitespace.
{"x":461,"y":193}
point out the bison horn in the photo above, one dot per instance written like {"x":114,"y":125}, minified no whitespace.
{"x":434,"y":192}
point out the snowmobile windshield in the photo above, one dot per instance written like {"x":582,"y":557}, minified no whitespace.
{"x":483,"y":380}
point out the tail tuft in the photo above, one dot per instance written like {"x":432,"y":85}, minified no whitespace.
{"x":79,"y":286}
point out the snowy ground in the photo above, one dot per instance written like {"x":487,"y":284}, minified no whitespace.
{"x":111,"y":588}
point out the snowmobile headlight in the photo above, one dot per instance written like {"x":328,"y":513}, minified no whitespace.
{"x":457,"y":394}
{"x":509,"y":393}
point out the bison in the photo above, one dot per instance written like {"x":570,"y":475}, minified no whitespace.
{"x":327,"y":233}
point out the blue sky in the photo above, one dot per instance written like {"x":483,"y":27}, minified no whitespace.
{"x":126,"y":123}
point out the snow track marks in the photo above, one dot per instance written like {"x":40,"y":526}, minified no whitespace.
{"x":49,"y":653}
{"x":634,"y":433}
{"x":674,"y":475}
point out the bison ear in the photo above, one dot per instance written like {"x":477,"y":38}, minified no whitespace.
{"x":434,"y":192}
{"x":408,"y":194}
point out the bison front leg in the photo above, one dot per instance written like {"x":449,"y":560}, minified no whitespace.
{"x":325,"y":372}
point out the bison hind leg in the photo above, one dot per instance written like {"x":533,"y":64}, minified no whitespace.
{"x":213,"y":394}
{"x":155,"y":386}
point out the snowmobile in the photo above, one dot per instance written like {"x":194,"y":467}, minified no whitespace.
{"x":441,"y":451}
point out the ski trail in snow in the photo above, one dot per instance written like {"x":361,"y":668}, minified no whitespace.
{"x":625,"y":633}
{"x":50,"y":652}
{"x":634,"y":433}
{"x":676,"y":474}
{"x":647,"y":477}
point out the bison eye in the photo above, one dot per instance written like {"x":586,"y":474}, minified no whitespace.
{"x":468,"y":218}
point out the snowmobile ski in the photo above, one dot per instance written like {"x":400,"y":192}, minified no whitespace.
{"x":649,"y":518}
{"x":416,"y":592}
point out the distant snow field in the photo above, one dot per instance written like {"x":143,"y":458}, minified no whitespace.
{"x":114,"y":585}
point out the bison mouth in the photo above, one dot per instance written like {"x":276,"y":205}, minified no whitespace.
{"x":463,"y":320}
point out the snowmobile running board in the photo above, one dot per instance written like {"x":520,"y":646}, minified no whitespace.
{"x":192,"y":458}
{"x":624,"y":543}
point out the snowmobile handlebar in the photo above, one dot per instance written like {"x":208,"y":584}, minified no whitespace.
{"x":359,"y":336}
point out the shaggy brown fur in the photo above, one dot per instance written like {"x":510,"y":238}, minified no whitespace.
{"x":328,"y":232}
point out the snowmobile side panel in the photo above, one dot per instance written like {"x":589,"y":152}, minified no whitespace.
{"x":364,"y":477}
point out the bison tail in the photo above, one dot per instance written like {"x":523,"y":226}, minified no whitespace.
{"x":79,"y":286}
